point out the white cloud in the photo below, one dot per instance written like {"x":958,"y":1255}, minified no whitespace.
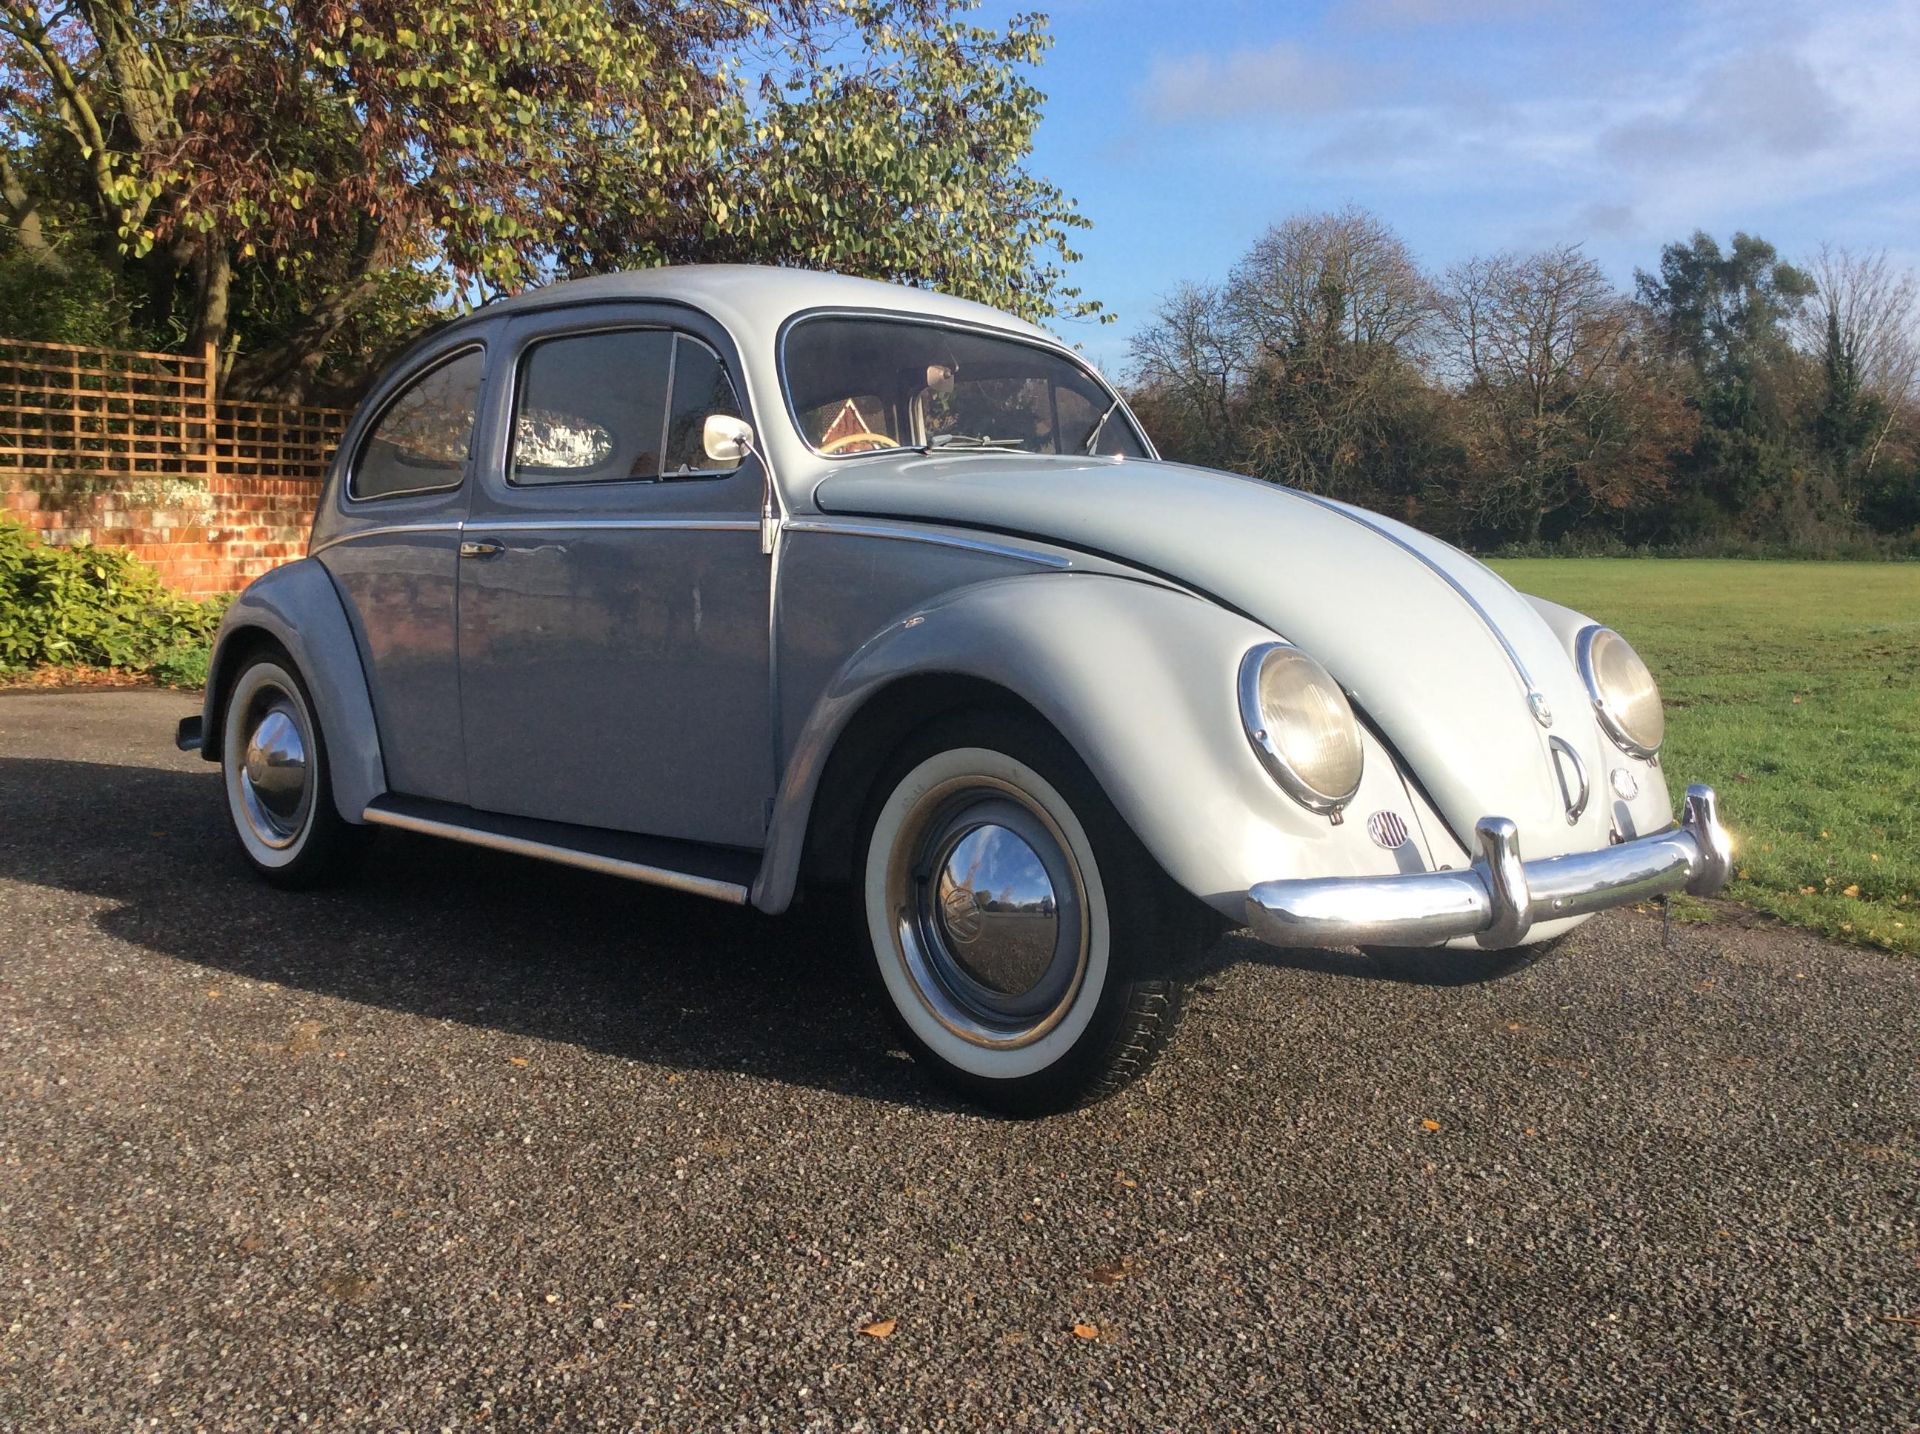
{"x":1440,"y":12}
{"x":1282,"y":79}
{"x":1758,"y":103}
{"x":1739,"y":111}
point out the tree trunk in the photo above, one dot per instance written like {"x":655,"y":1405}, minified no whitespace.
{"x":215,"y":272}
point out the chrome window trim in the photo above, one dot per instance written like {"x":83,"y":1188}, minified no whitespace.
{"x":384,"y":530}
{"x":1536,"y":699}
{"x":1254,"y":721}
{"x":1609,"y":719}
{"x":905,"y":316}
{"x":517,"y":387}
{"x":570,"y":525}
{"x":400,"y":390}
{"x":920,"y":535}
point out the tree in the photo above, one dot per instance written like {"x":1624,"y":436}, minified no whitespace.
{"x":1332,"y":313}
{"x":1560,"y":413}
{"x":1724,"y":313}
{"x":1190,"y":374}
{"x":264,"y":174}
{"x":1303,"y":368}
{"x":1726,"y":318}
{"x":1863,"y":323}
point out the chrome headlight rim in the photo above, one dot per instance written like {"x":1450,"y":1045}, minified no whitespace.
{"x":1254,"y":722}
{"x":1603,"y":707}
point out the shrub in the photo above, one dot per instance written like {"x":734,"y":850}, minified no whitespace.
{"x":97,"y":607}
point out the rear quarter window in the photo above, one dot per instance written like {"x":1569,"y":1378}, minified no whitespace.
{"x":421,"y":440}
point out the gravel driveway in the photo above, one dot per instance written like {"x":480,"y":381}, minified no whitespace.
{"x":481,"y":1143}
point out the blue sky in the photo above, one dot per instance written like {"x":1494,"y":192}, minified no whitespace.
{"x":1184,"y":129}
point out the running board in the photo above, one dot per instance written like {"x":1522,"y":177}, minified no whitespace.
{"x":722,"y":873}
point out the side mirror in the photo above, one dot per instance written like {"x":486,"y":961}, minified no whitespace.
{"x":727,"y":439}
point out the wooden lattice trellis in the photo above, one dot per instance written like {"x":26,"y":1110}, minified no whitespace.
{"x":101,"y":414}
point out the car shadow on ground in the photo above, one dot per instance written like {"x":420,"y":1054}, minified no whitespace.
{"x":451,"y":932}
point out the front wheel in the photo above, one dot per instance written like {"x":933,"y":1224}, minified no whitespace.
{"x":1028,"y":946}
{"x":274,"y":761}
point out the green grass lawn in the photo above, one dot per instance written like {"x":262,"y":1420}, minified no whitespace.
{"x":1794,"y":689}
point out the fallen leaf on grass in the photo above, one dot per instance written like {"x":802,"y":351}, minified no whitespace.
{"x":1853,"y":890}
{"x":1429,"y":1125}
{"x":1087,"y":1331}
{"x":880,"y":1328}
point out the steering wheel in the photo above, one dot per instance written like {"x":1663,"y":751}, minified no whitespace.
{"x":847,"y":440}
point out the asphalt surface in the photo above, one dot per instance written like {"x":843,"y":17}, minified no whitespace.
{"x":481,"y":1143}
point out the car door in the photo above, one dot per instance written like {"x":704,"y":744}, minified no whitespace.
{"x":614,"y":666}
{"x":392,"y":539}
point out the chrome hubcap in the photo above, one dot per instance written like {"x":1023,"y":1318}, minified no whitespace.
{"x":273,"y":773}
{"x":989,"y":912}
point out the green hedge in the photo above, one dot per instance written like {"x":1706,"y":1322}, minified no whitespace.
{"x":97,"y":607}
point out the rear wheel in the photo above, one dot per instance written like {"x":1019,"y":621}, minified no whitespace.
{"x":1027,"y":945}
{"x":274,"y":761}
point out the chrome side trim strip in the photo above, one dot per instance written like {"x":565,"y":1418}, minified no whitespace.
{"x":727,"y":891}
{"x":920,"y":535}
{"x":570,"y":525}
{"x":1533,"y":692}
{"x":384,"y":530}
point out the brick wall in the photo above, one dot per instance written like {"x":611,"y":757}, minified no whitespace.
{"x":134,"y":450}
{"x":219,"y":544}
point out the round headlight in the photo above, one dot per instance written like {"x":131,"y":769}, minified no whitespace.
{"x":1300,"y":724}
{"x":1623,"y":691}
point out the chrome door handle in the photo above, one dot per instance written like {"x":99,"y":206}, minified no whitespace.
{"x":485,"y":548}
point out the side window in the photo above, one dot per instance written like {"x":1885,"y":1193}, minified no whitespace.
{"x":700,"y":388}
{"x":420,"y":443}
{"x":591,"y":407}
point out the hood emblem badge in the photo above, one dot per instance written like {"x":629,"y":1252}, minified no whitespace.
{"x":1537,"y":704}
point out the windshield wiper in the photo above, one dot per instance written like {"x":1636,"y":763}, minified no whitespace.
{"x":964,"y":440}
{"x":1094,"y":437}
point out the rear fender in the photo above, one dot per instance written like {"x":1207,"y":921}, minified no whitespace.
{"x":298,"y":607}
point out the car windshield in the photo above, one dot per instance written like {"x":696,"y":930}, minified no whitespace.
{"x":860,"y":385}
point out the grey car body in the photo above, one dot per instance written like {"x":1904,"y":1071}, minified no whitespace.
{"x":715,"y":663}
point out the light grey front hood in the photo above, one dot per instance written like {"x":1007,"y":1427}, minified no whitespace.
{"x":1435,"y":648}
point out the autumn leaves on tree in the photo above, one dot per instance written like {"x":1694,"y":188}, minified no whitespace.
{"x":298,"y":182}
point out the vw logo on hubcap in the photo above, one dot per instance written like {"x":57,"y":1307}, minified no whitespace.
{"x":960,"y":911}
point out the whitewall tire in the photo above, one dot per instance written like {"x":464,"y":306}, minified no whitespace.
{"x":273,"y":765}
{"x":1023,"y":940}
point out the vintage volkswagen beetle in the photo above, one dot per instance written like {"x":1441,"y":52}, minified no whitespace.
{"x":731,"y":579}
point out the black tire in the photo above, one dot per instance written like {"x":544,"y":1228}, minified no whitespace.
{"x":287,"y":827}
{"x":1114,"y":935}
{"x":1441,"y":966}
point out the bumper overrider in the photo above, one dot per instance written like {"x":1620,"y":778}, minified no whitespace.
{"x":1499,"y":897}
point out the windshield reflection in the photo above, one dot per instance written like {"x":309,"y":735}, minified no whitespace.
{"x":861,"y":384}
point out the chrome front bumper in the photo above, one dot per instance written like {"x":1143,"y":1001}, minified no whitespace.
{"x":1498,"y":898}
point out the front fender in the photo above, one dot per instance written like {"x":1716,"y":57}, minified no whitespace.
{"x":298,"y":606}
{"x":1140,"y":679}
